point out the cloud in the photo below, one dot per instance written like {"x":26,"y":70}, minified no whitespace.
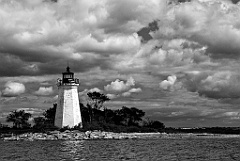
{"x":114,"y":44}
{"x":103,"y":34}
{"x":169,"y":83}
{"x":211,"y":23}
{"x":94,"y":90}
{"x":119,"y":86}
{"x":195,"y":43}
{"x":126,"y":94}
{"x":122,"y":17}
{"x":13,"y":89}
{"x":217,"y":85}
{"x":39,"y":32}
{"x":112,"y":96}
{"x":164,"y":55}
{"x":44,"y":91}
{"x":133,"y":90}
{"x":235,"y":1}
{"x":33,"y":111}
{"x":55,"y":98}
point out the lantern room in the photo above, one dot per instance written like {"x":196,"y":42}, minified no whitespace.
{"x":68,"y":78}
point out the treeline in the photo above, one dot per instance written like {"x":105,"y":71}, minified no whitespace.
{"x":95,"y":116}
{"x":121,"y":120}
{"x":212,"y":130}
{"x":21,"y":124}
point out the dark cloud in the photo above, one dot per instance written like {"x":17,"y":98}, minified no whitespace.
{"x":182,"y":1}
{"x":235,"y":1}
{"x":144,"y":32}
{"x":15,"y":66}
{"x":222,"y":44}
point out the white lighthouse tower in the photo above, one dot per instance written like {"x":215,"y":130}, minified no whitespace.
{"x":68,"y":110}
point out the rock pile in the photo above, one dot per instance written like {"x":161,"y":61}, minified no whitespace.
{"x":90,"y":135}
{"x":76,"y":135}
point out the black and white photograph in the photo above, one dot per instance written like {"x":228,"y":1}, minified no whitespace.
{"x":116,"y":80}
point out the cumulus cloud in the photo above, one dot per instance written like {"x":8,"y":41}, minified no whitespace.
{"x":217,"y":85}
{"x":135,"y":90}
{"x":126,"y":94}
{"x":211,"y":23}
{"x":13,"y":89}
{"x":44,"y":91}
{"x":38,"y":32}
{"x":119,"y":86}
{"x":169,"y":83}
{"x":102,"y":34}
{"x":156,"y":56}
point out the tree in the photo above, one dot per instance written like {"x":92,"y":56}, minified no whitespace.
{"x":97,"y":99}
{"x":154,"y":124}
{"x":84,"y":113}
{"x":49,"y":114}
{"x":2,"y":126}
{"x":95,"y":103}
{"x":48,"y":120}
{"x":157,"y":125}
{"x":39,"y":122}
{"x":19,"y":119}
{"x":130,"y":116}
{"x":111,"y":117}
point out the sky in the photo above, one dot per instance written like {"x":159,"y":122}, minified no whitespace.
{"x":178,"y":61}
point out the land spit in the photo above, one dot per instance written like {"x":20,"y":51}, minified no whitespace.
{"x":91,"y":135}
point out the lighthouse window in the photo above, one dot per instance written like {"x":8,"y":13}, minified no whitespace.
{"x":67,"y":76}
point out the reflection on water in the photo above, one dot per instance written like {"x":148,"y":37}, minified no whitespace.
{"x":72,"y":150}
{"x":105,"y":150}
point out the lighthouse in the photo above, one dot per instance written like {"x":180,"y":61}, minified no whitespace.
{"x":68,"y":110}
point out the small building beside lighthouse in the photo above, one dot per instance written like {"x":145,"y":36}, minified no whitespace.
{"x":68,"y":109}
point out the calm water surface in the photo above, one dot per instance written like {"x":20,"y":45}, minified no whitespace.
{"x":149,"y":149}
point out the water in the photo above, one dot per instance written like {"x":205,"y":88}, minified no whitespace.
{"x":105,"y":150}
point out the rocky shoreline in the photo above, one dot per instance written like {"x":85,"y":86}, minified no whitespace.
{"x":91,"y":135}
